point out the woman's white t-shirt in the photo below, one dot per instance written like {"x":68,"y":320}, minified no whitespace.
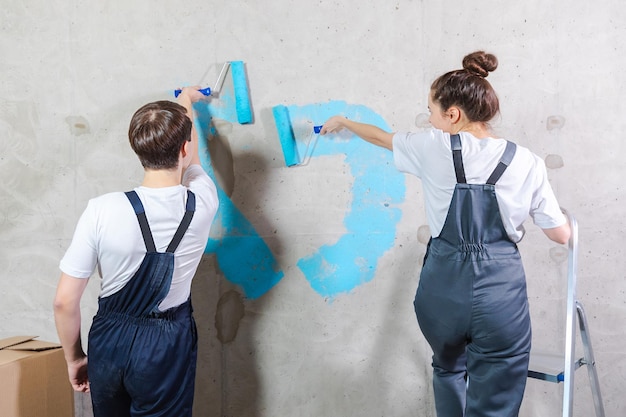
{"x":522,"y":191}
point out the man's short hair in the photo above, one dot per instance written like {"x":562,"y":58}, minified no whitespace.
{"x":157,"y":133}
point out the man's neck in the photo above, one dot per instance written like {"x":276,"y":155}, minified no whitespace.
{"x":161,"y":178}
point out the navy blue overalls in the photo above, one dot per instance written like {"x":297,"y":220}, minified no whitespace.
{"x":472,"y":306}
{"x":142,"y":361}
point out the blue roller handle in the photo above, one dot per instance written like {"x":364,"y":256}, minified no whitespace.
{"x":205,"y":91}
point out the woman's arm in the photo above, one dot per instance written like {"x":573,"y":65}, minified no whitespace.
{"x":368,"y":132}
{"x":559,"y":234}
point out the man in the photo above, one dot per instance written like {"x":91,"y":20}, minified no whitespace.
{"x":147,"y":245}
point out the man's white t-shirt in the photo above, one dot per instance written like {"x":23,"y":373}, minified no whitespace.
{"x":108,"y":235}
{"x":522,"y":191}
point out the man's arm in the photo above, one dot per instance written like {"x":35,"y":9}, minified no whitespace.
{"x":186,"y":98}
{"x":68,"y":323}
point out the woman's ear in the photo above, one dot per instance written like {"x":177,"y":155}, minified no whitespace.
{"x":454,"y":114}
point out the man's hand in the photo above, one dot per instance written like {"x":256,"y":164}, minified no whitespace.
{"x":189,"y":95}
{"x":77,"y":371}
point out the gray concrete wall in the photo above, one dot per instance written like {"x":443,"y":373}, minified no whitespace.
{"x":312,"y":315}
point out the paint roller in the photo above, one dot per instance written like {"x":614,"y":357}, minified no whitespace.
{"x":240,"y":86}
{"x":287,"y":138}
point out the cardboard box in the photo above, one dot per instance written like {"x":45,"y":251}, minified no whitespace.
{"x":33,"y":379}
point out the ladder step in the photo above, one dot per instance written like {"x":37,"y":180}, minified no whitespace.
{"x":549,"y":366}
{"x":546,"y":366}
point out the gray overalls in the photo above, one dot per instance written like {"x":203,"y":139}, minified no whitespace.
{"x":142,"y":361}
{"x":471,"y":304}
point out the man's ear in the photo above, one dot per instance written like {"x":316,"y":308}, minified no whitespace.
{"x":183,"y":149}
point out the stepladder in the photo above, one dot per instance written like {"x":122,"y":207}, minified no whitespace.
{"x":561,"y":367}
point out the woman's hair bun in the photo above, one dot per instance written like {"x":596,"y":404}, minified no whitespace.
{"x":480,"y":63}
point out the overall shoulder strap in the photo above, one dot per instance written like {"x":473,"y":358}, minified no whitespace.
{"x":184,"y":224}
{"x":505,"y":161}
{"x":455,"y":145}
{"x":143,"y":221}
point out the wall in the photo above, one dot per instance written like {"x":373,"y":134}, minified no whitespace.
{"x":304,"y":298}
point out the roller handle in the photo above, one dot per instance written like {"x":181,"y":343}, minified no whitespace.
{"x":205,"y":91}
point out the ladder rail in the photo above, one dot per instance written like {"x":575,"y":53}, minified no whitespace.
{"x":570,"y":321}
{"x":547,"y":367}
{"x":590,"y":360}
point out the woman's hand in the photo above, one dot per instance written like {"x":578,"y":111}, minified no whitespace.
{"x":334,"y":124}
{"x":370,"y":133}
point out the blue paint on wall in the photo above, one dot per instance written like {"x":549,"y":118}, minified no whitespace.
{"x":378,"y":188}
{"x":371,"y":220}
{"x":242,"y":255}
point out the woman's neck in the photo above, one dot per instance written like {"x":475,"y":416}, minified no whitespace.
{"x":478,"y":130}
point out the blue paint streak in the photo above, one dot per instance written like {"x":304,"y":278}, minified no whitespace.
{"x":241,"y":253}
{"x":371,"y":221}
{"x":243,"y":256}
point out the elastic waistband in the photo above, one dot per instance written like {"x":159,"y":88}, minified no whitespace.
{"x":461,"y":250}
{"x":172,"y":314}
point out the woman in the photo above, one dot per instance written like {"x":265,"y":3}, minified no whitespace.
{"x":471,"y":302}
